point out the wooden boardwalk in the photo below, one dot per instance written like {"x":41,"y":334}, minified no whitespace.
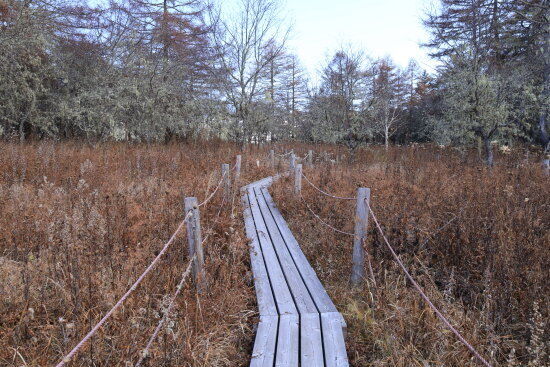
{"x":299,"y":324}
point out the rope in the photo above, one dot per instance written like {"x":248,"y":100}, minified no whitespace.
{"x":371,"y":271}
{"x":72,"y":353}
{"x":443,"y":227}
{"x":145,"y":352}
{"x":214,"y":192}
{"x":179,"y":287}
{"x":322,"y":221}
{"x":324,"y":192}
{"x":424,"y":296}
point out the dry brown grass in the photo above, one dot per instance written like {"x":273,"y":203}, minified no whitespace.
{"x":79,"y":223}
{"x":476,"y":239}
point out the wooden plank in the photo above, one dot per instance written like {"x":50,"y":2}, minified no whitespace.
{"x":298,"y":289}
{"x":281,"y":293}
{"x":311,"y":342}
{"x":318,"y":292}
{"x":333,"y":340}
{"x":263,"y":354}
{"x":264,"y":182}
{"x":314,"y":338}
{"x":288,"y":342}
{"x":264,"y":294}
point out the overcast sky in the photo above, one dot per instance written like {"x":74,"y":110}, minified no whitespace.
{"x":380,"y":27}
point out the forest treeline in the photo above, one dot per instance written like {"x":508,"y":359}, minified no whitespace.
{"x":156,"y":70}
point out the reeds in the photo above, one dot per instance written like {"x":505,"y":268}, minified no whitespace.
{"x":80,"y":222}
{"x":475,"y":238}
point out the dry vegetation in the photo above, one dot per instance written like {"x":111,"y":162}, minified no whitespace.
{"x":80,"y":223}
{"x":476,"y":239}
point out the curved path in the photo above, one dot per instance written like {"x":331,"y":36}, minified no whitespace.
{"x":299,"y":324}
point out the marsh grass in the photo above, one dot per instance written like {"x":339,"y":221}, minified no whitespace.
{"x":79,"y":225}
{"x":475,"y":238}
{"x":80,"y":222}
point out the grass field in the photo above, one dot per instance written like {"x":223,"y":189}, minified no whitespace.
{"x":81,"y":222}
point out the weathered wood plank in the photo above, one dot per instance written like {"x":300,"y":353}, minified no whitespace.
{"x":287,"y":342}
{"x":298,"y":289}
{"x":263,"y":354}
{"x":318,"y":292}
{"x":315,"y":336}
{"x":279,"y":286}
{"x":333,"y":340}
{"x":264,"y":182}
{"x":264,"y":294}
{"x":311,"y":349}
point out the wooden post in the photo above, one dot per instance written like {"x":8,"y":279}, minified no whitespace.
{"x":238,"y":168}
{"x":292,"y":161}
{"x":298,"y":180}
{"x":226,"y":181}
{"x":310,"y":158}
{"x":194,"y":241}
{"x":272,"y":158}
{"x":361,"y":222}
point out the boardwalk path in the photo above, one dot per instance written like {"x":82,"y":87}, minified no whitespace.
{"x":299,"y":324}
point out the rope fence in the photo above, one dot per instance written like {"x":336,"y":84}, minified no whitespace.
{"x":192,"y":265}
{"x":363,"y":209}
{"x":323,"y":222}
{"x":94,"y":330}
{"x":214,"y":192}
{"x":324,"y":192}
{"x":145,"y":352}
{"x":424,"y":296}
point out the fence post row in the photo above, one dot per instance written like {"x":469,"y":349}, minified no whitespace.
{"x":194,"y":241}
{"x":226,"y":181}
{"x":361,"y":222}
{"x":298,"y":180}
{"x":238,"y":168}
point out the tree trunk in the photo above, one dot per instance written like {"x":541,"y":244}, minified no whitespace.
{"x":543,"y":117}
{"x":387,"y":137}
{"x":22,"y":131}
{"x":488,"y":152}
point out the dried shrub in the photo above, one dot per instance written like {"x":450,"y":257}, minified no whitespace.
{"x":79,"y":225}
{"x":475,"y":238}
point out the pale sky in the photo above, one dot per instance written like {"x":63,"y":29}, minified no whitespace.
{"x":380,"y":27}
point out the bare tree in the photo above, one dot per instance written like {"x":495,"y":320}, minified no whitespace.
{"x":387,"y":100}
{"x":246,"y":44}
